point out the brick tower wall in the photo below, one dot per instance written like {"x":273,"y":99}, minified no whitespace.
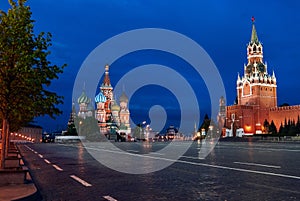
{"x":245,"y":117}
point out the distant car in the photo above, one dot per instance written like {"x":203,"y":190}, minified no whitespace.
{"x":48,"y":138}
{"x":121,"y":137}
{"x":162,"y":138}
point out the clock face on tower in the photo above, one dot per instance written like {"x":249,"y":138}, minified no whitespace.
{"x":261,"y":67}
{"x":248,"y":69}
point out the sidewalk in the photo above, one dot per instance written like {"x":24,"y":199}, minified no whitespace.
{"x":17,"y":186}
{"x":19,"y":192}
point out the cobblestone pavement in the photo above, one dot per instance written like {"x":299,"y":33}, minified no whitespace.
{"x":232,"y":171}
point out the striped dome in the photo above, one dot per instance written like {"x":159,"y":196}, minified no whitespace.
{"x":83,"y":99}
{"x":100,"y":98}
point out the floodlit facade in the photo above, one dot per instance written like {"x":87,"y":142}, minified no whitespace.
{"x":256,"y":97}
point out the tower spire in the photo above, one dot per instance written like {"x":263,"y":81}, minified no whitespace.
{"x":254,"y":38}
{"x":106,"y":81}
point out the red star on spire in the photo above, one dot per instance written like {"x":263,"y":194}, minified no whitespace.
{"x":252,"y":19}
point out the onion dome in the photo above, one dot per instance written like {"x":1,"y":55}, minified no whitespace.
{"x":123,"y":98}
{"x":115,"y":107}
{"x":83,"y":99}
{"x":100,"y":98}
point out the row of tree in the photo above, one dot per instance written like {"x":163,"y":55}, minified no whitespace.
{"x":25,"y":73}
{"x":288,"y":128}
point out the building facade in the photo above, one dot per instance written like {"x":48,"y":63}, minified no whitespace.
{"x":256,"y":96}
{"x":30,"y":132}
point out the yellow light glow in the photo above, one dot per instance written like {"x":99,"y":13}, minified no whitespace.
{"x":247,"y":128}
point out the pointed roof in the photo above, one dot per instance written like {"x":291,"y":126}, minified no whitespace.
{"x":254,"y":38}
{"x":106,"y":81}
{"x":124,"y":97}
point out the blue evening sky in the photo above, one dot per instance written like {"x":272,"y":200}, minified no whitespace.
{"x":222,"y":28}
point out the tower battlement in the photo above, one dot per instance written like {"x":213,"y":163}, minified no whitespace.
{"x":283,"y":108}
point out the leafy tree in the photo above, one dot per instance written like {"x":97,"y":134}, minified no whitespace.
{"x":285,"y":128}
{"x":88,"y":127}
{"x":266,"y":126}
{"x":25,"y":72}
{"x":298,"y":125}
{"x":138,"y":132}
{"x":205,"y":124}
{"x":272,"y":128}
{"x":210,"y":127}
{"x":71,"y":130}
{"x":281,"y":129}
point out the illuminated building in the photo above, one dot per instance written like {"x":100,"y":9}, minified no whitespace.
{"x":256,"y":96}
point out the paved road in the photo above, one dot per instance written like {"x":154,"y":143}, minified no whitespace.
{"x":232,"y":171}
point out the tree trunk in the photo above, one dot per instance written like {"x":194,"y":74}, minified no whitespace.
{"x":3,"y":145}
{"x":7,"y":139}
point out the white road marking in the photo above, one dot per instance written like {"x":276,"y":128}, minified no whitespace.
{"x":156,"y":153}
{"x":109,"y":198}
{"x":191,"y":157}
{"x":135,"y":151}
{"x":258,"y":164}
{"x":35,"y":152}
{"x":28,"y":147}
{"x":258,"y":148}
{"x":47,"y":161}
{"x":41,"y":156}
{"x":80,"y":180}
{"x":56,"y":167}
{"x":243,"y":170}
{"x":201,"y":164}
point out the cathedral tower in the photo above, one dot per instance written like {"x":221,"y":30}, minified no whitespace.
{"x":107,"y":90}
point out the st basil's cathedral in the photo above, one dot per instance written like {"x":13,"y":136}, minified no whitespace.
{"x":107,"y":113}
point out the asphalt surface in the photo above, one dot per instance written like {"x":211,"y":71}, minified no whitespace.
{"x":231,"y":171}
